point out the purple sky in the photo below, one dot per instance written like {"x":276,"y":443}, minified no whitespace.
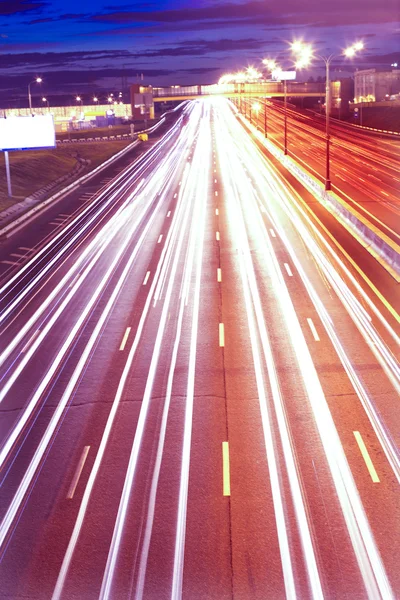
{"x":85,"y":47}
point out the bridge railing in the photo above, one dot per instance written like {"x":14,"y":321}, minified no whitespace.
{"x":271,"y":87}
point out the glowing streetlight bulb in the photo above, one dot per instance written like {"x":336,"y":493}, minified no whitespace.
{"x":38,"y":80}
{"x":349,"y":52}
{"x":95,"y":99}
{"x":297,"y":46}
{"x":358,"y":46}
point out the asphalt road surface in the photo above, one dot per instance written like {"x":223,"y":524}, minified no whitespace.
{"x":199,"y":387}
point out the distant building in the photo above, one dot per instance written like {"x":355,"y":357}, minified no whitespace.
{"x":374,"y":85}
{"x":142,"y":101}
{"x":342,"y":93}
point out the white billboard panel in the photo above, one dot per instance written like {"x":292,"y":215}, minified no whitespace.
{"x":284,"y":75}
{"x":27,"y":133}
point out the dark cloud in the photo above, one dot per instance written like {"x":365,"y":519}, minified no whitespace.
{"x":40,"y":60}
{"x":62,"y":17}
{"x":292,"y":11}
{"x":202,"y":47}
{"x":16,"y":7}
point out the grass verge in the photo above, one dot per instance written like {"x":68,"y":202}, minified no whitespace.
{"x":32,"y":170}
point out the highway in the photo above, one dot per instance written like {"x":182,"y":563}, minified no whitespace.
{"x":364,"y":165}
{"x":199,"y":386}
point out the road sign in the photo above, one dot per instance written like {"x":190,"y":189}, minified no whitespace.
{"x":27,"y":133}
{"x":283,"y":75}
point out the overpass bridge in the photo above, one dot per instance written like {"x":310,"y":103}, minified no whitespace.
{"x":251,"y":90}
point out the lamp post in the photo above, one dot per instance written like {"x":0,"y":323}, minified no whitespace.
{"x":285,"y":117}
{"x":45,"y":100}
{"x":37,"y":80}
{"x":256,"y":107}
{"x":275,"y":70}
{"x":95,"y":99}
{"x":305,"y":52}
{"x":79,"y":99}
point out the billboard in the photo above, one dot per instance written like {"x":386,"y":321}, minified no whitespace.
{"x":27,"y":133}
{"x":284,"y":75}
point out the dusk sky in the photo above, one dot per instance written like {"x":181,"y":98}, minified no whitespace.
{"x":85,"y":47}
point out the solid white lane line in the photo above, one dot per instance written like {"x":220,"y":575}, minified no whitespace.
{"x":30,"y":341}
{"x":221,"y":335}
{"x":146,"y":278}
{"x":217,"y":236}
{"x":99,"y":457}
{"x":177,"y":581}
{"x":219,"y":275}
{"x":125,"y":338}
{"x":288,"y":269}
{"x":272,"y":232}
{"x":313,"y":329}
{"x":258,"y":332}
{"x":106,"y":586}
{"x":19,"y":496}
{"x":366,"y":457}
{"x":370,"y":563}
{"x":226,"y":487}
{"x":385,"y":193}
{"x":74,"y":280}
{"x":159,"y":239}
{"x":78,"y":472}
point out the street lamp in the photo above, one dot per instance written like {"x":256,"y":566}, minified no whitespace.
{"x":256,"y":107}
{"x":265,"y":118}
{"x":305,"y":55}
{"x":45,"y":100}
{"x":95,"y":99}
{"x":275,"y":70}
{"x":37,"y":80}
{"x":79,"y":99}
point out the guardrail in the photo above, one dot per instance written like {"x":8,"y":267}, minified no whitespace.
{"x":379,"y":245}
{"x":29,"y":211}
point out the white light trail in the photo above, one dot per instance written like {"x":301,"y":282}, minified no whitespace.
{"x":365,"y":549}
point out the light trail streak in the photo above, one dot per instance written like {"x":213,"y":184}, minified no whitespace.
{"x":162,"y":265}
{"x":238,"y":187}
{"x":106,"y":587}
{"x":19,"y":496}
{"x":103,"y":239}
{"x":41,"y":449}
{"x":106,"y":233}
{"x":144,"y":161}
{"x":366,"y":552}
{"x":197,"y":178}
{"x":201,"y":197}
{"x":352,"y":305}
